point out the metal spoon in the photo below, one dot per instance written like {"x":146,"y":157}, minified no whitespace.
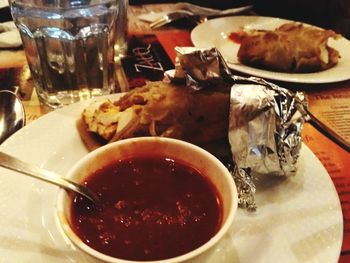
{"x":12,"y":115}
{"x":15,"y":164}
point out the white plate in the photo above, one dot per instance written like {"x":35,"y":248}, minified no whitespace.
{"x":214,"y":33}
{"x":299,"y":219}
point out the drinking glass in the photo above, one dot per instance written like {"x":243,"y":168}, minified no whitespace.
{"x":69,"y":46}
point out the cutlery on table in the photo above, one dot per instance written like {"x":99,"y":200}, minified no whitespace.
{"x":12,"y":115}
{"x":195,"y":14}
{"x":12,"y":163}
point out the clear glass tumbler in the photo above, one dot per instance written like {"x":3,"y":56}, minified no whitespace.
{"x":69,"y":45}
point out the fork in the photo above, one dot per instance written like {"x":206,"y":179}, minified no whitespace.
{"x":177,"y":15}
{"x":197,"y":16}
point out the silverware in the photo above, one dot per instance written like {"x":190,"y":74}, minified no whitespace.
{"x":175,"y":16}
{"x":197,"y":16}
{"x":325,"y":130}
{"x":12,"y":115}
{"x":12,"y":163}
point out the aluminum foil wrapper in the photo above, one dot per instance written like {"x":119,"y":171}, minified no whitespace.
{"x":198,"y":68}
{"x":265,"y":128}
{"x":265,"y":121}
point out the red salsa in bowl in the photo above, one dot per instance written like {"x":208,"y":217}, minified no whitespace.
{"x":162,"y":200}
{"x":153,"y":208}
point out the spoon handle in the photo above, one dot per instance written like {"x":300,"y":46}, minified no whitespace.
{"x":17,"y":165}
{"x":329,"y":133}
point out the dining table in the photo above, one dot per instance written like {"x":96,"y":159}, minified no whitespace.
{"x":328,"y":101}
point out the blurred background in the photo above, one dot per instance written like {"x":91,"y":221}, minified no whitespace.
{"x":328,"y":14}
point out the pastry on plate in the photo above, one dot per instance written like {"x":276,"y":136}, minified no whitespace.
{"x":292,"y":47}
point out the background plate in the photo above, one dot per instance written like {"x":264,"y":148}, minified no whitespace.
{"x":214,"y":33}
{"x":299,"y":219}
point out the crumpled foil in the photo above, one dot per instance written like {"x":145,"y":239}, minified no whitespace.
{"x":199,"y":68}
{"x":265,"y":128}
{"x":265,"y":120}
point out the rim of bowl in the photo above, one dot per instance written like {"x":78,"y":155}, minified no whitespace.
{"x":72,"y":236}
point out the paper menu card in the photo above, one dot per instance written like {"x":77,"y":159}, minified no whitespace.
{"x":332,"y":106}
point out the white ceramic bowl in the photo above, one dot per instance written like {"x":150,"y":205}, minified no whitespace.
{"x":180,"y":150}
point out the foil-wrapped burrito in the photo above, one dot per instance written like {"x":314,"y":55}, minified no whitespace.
{"x":265,"y":120}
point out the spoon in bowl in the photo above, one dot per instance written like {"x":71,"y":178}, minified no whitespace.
{"x":12,"y":115}
{"x":15,"y":164}
{"x":12,"y":118}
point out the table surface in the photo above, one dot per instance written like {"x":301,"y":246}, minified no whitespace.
{"x":329,"y":102}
